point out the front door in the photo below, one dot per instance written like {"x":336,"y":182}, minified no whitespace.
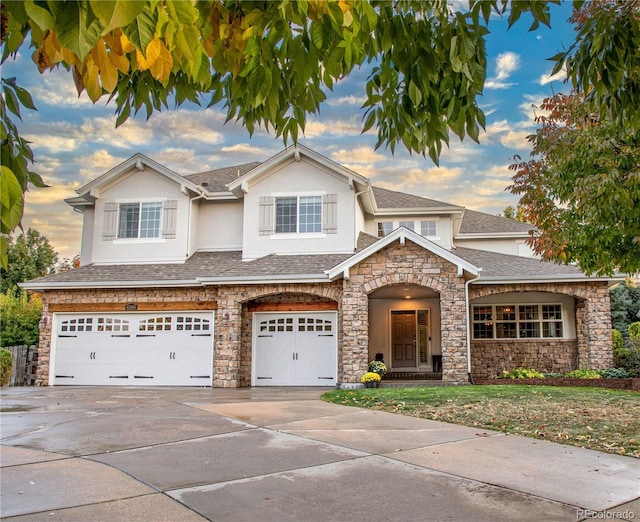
{"x":403,"y":338}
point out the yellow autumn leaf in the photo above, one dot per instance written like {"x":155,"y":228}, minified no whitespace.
{"x":52,"y":48}
{"x":91,"y":81}
{"x":344,"y":5}
{"x":161,"y":68}
{"x":127,"y":46}
{"x":153,"y":52}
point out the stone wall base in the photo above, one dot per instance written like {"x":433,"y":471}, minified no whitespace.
{"x":489,"y":358}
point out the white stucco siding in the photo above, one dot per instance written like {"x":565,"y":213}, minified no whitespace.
{"x":86,"y":244}
{"x":518,"y":298}
{"x":217,"y":225}
{"x":298,"y":178}
{"x":140,"y":186}
{"x":510,"y":246}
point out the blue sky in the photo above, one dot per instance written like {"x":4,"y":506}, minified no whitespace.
{"x":75,"y":141}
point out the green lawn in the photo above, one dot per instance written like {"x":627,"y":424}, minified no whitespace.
{"x":594,"y":418}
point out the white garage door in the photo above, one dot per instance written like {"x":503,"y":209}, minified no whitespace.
{"x":128,"y":349}
{"x":295,"y":349}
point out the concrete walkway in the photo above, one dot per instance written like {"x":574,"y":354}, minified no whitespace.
{"x":281,"y":454}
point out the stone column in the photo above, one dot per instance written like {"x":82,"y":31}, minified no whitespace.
{"x":228,"y":342}
{"x":593,"y":326}
{"x":454,"y":335}
{"x":354,"y":349}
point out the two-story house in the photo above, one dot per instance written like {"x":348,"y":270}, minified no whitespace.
{"x":297,"y":271}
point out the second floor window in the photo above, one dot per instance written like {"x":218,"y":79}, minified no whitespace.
{"x":427,"y":228}
{"x":139,"y":220}
{"x":301,"y":214}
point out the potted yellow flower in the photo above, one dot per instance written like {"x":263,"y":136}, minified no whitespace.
{"x":370,"y":380}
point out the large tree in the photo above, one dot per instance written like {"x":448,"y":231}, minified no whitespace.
{"x":582,"y":189}
{"x":270,"y":64}
{"x":30,"y":256}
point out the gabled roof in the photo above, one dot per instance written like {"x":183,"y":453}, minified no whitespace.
{"x":476,"y":223}
{"x":390,"y":199}
{"x":218,"y":179}
{"x":139,"y":162}
{"x":295,"y":152}
{"x":401,"y":234}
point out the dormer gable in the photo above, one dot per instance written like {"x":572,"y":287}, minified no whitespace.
{"x":297,"y":152}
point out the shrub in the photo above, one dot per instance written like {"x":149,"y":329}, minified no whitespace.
{"x":6,"y":363}
{"x":634,"y":330}
{"x":378,"y":367}
{"x":614,"y":373}
{"x":584,"y":373}
{"x":19,"y":316}
{"x":522,"y":373}
{"x":370,"y":377}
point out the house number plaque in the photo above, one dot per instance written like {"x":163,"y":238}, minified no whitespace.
{"x":131,"y":307}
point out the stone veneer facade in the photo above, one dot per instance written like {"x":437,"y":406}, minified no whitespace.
{"x":395,"y":264}
{"x":591,"y":349}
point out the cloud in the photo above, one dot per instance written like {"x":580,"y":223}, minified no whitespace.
{"x":506,"y":64}
{"x":246,"y":148}
{"x":333,"y":128}
{"x":560,"y":76}
{"x":347,"y":100}
{"x":516,"y":140}
{"x":357,"y":155}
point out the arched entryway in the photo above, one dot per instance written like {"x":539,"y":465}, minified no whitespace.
{"x":404,"y":328}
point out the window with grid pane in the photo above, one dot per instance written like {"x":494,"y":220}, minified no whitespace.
{"x":286,"y":215}
{"x":530,"y":321}
{"x":385,"y":228}
{"x":310,"y":214}
{"x":428,"y":228}
{"x":139,"y":220}
{"x":301,"y":215}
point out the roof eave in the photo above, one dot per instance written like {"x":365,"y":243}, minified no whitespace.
{"x":71,"y":285}
{"x":416,"y":210}
{"x":575,"y":278}
{"x":492,"y":235}
{"x":284,"y":278}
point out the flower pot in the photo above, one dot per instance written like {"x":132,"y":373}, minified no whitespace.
{"x":370,"y":384}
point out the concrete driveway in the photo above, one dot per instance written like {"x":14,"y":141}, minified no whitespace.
{"x":194,"y":454}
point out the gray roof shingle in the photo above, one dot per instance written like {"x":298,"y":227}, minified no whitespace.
{"x":474,"y":222}
{"x":399,"y":200}
{"x":504,"y":266}
{"x":218,"y":179}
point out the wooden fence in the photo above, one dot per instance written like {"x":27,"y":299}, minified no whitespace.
{"x":25,"y":362}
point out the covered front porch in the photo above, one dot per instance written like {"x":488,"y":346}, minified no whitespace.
{"x":404,"y":331}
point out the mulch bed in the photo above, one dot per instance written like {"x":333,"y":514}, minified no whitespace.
{"x":632,"y":384}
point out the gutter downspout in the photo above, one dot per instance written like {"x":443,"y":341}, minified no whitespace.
{"x":468,"y":321}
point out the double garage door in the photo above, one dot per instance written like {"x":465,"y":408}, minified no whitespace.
{"x":295,"y":349}
{"x":128,"y":349}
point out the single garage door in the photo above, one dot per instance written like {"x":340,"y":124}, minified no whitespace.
{"x":128,"y":349}
{"x":295,"y":349}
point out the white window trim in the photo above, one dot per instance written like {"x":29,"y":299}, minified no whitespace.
{"x":517,"y":321}
{"x":134,"y":240}
{"x":297,"y":235}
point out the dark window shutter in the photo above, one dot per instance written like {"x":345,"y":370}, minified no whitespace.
{"x":330,"y":213}
{"x":169,"y":218}
{"x":110,"y":224}
{"x":266,"y":215}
